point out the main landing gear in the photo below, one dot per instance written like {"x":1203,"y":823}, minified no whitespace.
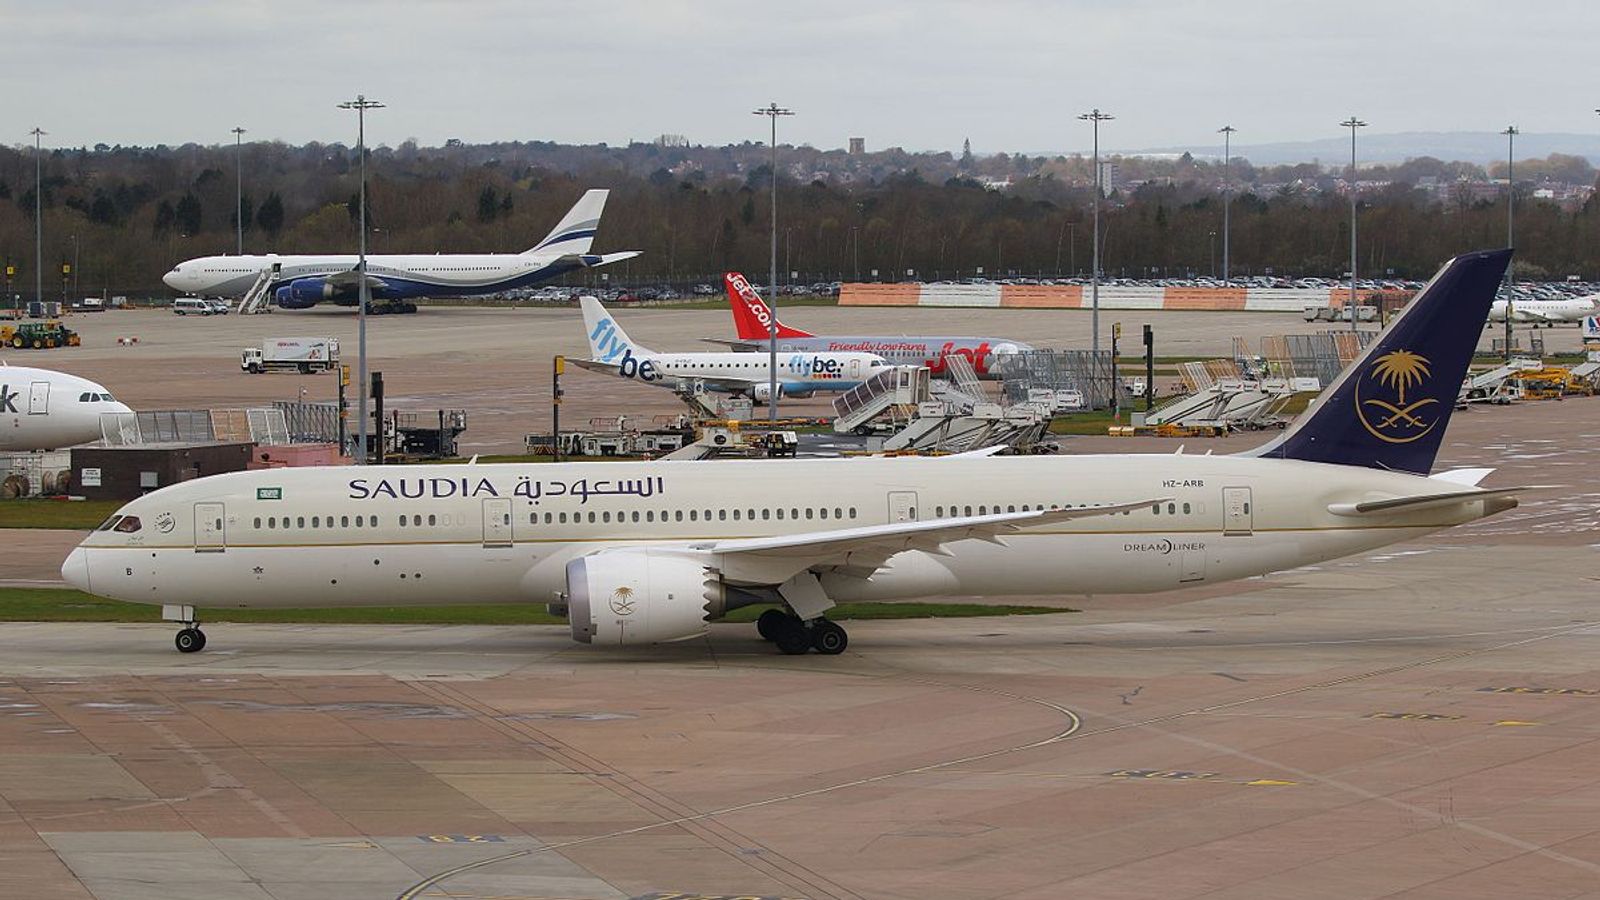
{"x":190,"y":638}
{"x":794,"y":635}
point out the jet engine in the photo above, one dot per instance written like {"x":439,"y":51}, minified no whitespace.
{"x":762,"y":393}
{"x":642,"y":596}
{"x":304,"y":293}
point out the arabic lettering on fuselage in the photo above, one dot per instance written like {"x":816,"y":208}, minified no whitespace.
{"x":530,"y":489}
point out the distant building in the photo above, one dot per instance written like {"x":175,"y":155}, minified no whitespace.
{"x":1110,"y":176}
{"x":672,"y":140}
{"x":858,"y":146}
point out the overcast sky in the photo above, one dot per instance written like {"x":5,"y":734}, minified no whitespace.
{"x":1009,"y":74}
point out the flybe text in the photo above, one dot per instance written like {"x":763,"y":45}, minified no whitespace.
{"x":815,"y":366}
{"x":611,"y":348}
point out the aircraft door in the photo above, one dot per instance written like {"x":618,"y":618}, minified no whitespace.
{"x":902,"y":506}
{"x":497,"y":522}
{"x":209,"y":528}
{"x":39,"y":398}
{"x":1193,"y":564}
{"x":855,"y":370}
{"x":1237,"y":518}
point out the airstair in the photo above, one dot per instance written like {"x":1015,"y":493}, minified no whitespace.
{"x":897,"y":388}
{"x":1230,"y":403}
{"x":1498,"y":384}
{"x":255,"y":299}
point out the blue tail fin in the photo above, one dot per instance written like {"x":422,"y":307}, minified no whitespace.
{"x":1389,"y":409}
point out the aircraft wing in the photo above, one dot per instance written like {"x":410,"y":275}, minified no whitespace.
{"x":1536,"y":315}
{"x":737,"y":345}
{"x":862,"y":551}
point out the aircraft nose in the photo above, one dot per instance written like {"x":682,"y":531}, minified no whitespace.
{"x":75,"y":571}
{"x":174,"y":279}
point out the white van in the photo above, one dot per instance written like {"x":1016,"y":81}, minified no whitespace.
{"x":184,"y":306}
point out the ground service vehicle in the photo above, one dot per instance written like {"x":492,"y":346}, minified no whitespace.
{"x":286,"y":354}
{"x":38,"y":335}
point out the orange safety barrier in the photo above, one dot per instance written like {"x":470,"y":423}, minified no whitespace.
{"x":1204,"y":298}
{"x":880,"y":294}
{"x":1041,"y":296}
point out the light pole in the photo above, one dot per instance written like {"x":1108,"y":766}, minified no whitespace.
{"x":1227,"y":193}
{"x":1095,"y":116}
{"x":238,"y":184}
{"x":75,"y":266}
{"x":1212,"y":235}
{"x":1353,"y":123}
{"x":38,"y":216}
{"x":363,"y":291}
{"x":1511,"y":207}
{"x":772,"y":111}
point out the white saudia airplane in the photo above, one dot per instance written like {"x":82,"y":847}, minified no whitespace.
{"x":45,"y":410}
{"x":646,"y":552}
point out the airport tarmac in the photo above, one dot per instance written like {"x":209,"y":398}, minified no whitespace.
{"x":494,"y":362}
{"x":1419,"y":722}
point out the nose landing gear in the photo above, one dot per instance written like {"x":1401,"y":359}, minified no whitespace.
{"x":190,"y":638}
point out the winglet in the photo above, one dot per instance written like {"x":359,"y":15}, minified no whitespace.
{"x":751,"y":317}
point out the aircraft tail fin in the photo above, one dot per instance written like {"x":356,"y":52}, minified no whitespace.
{"x":1390,"y":407}
{"x":575,"y":232}
{"x":608,"y":343}
{"x":1591,"y":328}
{"x":751,"y":317}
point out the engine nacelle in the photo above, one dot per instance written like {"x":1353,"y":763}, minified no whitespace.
{"x":762,"y":393}
{"x":642,"y":596}
{"x":304,"y":293}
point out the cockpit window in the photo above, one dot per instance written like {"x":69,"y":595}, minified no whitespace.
{"x":108,"y":398}
{"x":85,"y":397}
{"x":128,"y":525}
{"x":107,"y":524}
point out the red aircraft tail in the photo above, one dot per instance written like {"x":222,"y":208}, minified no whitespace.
{"x":751,"y":317}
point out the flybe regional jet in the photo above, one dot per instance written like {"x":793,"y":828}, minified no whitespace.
{"x":300,"y":282}
{"x":646,"y":552}
{"x":799,"y":374}
{"x":45,"y":410}
{"x":754,"y":322}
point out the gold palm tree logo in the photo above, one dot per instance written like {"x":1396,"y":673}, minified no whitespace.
{"x":1399,"y":371}
{"x":1398,"y":422}
{"x":622,"y":600}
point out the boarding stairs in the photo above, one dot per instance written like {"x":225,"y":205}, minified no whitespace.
{"x":1498,"y":384}
{"x":255,"y":299}
{"x":898,"y":389}
{"x":1230,"y":403}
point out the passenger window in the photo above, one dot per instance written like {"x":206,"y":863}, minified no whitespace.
{"x":272,"y":521}
{"x":300,"y":522}
{"x":591,"y":518}
{"x":823,"y":512}
{"x":694,"y":515}
{"x":1186,"y":509}
{"x":766,"y":514}
{"x":315,"y":520}
{"x":1172,"y":509}
{"x":432,"y":519}
{"x":1011,"y":508}
{"x":736,"y":515}
{"x":563,"y":518}
{"x":794,"y":513}
{"x":722,"y":515}
{"x":677,"y":515}
{"x":983,"y":510}
{"x":548,"y":518}
{"x":1156,"y":509}
{"x":258,"y":521}
{"x":402,"y":521}
{"x":649,"y":515}
{"x":416,"y":520}
{"x":852,"y":512}
{"x":344,"y":521}
{"x":780,"y":512}
{"x":838,"y":512}
{"x":605,"y":516}
{"x":636,"y":515}
{"x":1247,"y":508}
{"x":969,"y":511}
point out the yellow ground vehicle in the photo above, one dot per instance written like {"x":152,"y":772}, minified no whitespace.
{"x":38,"y":335}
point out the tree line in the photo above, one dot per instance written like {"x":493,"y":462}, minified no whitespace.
{"x":126,"y":215}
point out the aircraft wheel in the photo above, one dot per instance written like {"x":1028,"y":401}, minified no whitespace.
{"x":769,"y":622}
{"x":793,"y":638}
{"x":828,"y":638}
{"x":190,"y":640}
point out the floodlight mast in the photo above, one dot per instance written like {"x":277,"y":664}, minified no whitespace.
{"x":238,"y":184}
{"x":1511,"y":133}
{"x":1353,"y":123}
{"x":38,"y":218}
{"x":772,"y":111}
{"x":361,"y":104}
{"x":1095,"y":116}
{"x":1227,"y":193}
